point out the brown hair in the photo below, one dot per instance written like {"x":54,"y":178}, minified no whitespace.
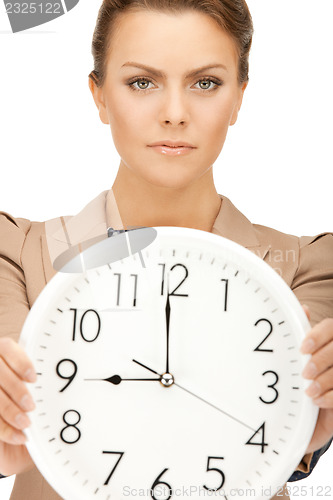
{"x":232,"y":16}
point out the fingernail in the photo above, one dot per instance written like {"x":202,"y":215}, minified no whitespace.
{"x":19,"y":438}
{"x":22,"y":420}
{"x":319,"y":401}
{"x":310,"y":370}
{"x":307,"y":346}
{"x":313,"y":389}
{"x":27,"y":403}
{"x":30,"y":375}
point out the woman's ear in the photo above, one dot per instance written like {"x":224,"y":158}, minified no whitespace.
{"x":239,"y":104}
{"x":98,"y":96}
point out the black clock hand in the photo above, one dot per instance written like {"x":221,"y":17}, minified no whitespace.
{"x":144,"y":366}
{"x":196,"y":396}
{"x":167,"y":317}
{"x":116,"y":379}
{"x":166,"y":379}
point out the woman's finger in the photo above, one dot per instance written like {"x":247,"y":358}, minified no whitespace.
{"x":11,"y":413}
{"x":321,"y":384}
{"x":325,"y":400}
{"x":10,"y":435}
{"x":307,"y":311}
{"x":320,"y":361}
{"x":14,"y":388}
{"x":319,"y":335}
{"x":17,"y":359}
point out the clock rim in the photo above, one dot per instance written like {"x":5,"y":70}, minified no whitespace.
{"x":309,"y":412}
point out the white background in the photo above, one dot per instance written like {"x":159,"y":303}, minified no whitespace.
{"x":276,"y":165}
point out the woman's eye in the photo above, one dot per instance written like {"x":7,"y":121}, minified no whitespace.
{"x":145,"y":81}
{"x":207,"y":84}
{"x":143,"y":84}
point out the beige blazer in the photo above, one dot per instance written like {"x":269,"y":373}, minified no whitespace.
{"x":28,"y":249}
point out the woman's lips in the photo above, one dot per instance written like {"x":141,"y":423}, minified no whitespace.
{"x":172,"y":151}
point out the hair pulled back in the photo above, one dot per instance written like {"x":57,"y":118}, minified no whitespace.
{"x":232,"y":16}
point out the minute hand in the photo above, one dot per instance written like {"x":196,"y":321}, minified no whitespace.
{"x":167,"y":317}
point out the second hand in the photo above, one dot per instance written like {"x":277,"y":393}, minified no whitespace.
{"x":198,"y":397}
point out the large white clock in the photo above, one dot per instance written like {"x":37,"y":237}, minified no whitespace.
{"x":172,"y":374}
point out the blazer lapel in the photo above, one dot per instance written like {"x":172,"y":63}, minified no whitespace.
{"x":232,"y":224}
{"x":62,"y":233}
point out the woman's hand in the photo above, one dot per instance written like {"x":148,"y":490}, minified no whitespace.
{"x":319,"y":343}
{"x":15,"y":401}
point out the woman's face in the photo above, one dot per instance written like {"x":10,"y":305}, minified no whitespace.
{"x":166,"y":102}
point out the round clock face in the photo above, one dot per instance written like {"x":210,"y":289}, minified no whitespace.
{"x":171,"y":374}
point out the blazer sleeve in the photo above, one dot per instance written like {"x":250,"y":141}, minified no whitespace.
{"x":14,"y":305}
{"x":313,"y":286}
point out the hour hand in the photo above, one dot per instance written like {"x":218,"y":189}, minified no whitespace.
{"x":116,"y":379}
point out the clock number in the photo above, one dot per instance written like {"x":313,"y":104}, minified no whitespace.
{"x":156,"y":483}
{"x":225,"y":293}
{"x":84,"y":316}
{"x":217,"y":470}
{"x":272,"y":386}
{"x":163,"y":280}
{"x":69,"y":424}
{"x":270,"y":331}
{"x":67,"y":377}
{"x":135,"y":288}
{"x":114,"y":468}
{"x":119,"y":286}
{"x":163,"y":276}
{"x":262,"y":443}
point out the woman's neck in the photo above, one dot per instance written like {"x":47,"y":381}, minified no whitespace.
{"x":143,"y":204}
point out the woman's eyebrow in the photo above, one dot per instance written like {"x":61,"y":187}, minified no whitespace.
{"x":159,"y":73}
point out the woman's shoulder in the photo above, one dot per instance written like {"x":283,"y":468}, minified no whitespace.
{"x":23,"y":240}
{"x":13,"y":232}
{"x":8,"y":223}
{"x":300,"y":260}
{"x":306,"y":251}
{"x":275,"y":238}
{"x":316,"y":255}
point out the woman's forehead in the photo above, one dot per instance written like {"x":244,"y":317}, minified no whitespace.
{"x":158,"y":37}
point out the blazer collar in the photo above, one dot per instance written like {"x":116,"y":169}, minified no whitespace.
{"x":102,"y":212}
{"x":232,"y":224}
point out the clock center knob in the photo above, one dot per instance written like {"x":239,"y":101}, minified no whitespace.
{"x":167,"y":379}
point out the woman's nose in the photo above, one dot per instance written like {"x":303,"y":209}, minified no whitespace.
{"x":174,"y":106}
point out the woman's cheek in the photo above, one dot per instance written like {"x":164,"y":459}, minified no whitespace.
{"x":121,"y":122}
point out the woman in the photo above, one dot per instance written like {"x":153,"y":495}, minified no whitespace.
{"x":169,"y":118}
